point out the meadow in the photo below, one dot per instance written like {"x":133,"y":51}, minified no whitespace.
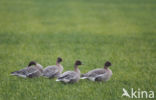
{"x":93,"y":31}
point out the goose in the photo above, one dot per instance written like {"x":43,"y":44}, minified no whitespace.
{"x":99,"y":74}
{"x":54,"y":70}
{"x":32,"y":70}
{"x":71,"y":76}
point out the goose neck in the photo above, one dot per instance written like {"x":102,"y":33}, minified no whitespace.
{"x":58,"y":64}
{"x":76,"y":69}
{"x":105,"y":67}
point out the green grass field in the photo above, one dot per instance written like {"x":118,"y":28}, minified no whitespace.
{"x":93,"y":31}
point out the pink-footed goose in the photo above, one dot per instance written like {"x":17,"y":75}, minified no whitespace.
{"x":99,"y":74}
{"x":54,"y":70}
{"x":32,"y":70}
{"x":71,"y":76}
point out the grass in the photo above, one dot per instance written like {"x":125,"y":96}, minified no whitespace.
{"x":93,"y":31}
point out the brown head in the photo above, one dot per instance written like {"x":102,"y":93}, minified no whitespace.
{"x":59,"y":60}
{"x":31,"y":63}
{"x":78,"y":62}
{"x":107,"y":64}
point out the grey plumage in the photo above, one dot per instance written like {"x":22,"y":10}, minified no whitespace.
{"x":34,"y":71}
{"x":71,"y":76}
{"x":20,"y":73}
{"x":54,"y":70}
{"x":94,"y":72}
{"x":100,"y":74}
{"x":30,"y":71}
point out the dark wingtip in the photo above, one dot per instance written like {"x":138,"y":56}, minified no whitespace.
{"x":82,"y":75}
{"x":108,"y":63}
{"x":32,"y":63}
{"x":59,"y":59}
{"x":12,"y":72}
{"x":98,"y":79}
{"x":30,"y":76}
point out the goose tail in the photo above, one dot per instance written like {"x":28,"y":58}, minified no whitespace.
{"x":83,"y":76}
{"x":19,"y":75}
{"x":14,"y":73}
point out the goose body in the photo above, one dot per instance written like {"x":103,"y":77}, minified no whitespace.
{"x":99,"y":74}
{"x":53,"y":71}
{"x":35,"y":71}
{"x":71,"y":76}
{"x":30,"y":71}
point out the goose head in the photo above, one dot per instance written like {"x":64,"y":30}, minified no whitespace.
{"x":59,"y":60}
{"x":78,"y":62}
{"x":107,"y":64}
{"x":31,"y":63}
